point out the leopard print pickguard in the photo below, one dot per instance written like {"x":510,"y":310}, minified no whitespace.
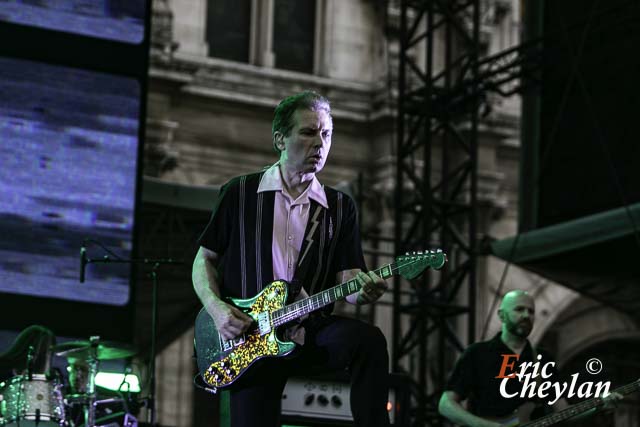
{"x":227,"y":365}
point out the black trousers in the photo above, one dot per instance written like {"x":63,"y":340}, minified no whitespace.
{"x":332,"y":344}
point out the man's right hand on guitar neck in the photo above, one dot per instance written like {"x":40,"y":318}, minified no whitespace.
{"x":230,"y":321}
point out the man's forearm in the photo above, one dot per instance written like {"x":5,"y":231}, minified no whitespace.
{"x":205,"y":280}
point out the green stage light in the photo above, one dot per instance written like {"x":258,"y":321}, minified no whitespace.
{"x":114,"y":381}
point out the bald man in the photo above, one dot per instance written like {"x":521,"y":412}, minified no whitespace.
{"x":474,"y":376}
{"x":478,"y":375}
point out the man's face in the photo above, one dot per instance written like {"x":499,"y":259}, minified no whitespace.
{"x":518,"y":315}
{"x":306,"y":148}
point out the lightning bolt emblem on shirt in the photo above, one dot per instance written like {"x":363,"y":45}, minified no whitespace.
{"x":312,"y":230}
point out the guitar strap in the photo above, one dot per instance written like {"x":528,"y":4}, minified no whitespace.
{"x":309,"y":250}
{"x":540,"y":408}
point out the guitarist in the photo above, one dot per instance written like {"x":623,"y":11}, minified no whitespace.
{"x":474,"y":376}
{"x":283,"y":224}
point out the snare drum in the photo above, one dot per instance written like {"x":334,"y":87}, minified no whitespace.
{"x":32,"y":402}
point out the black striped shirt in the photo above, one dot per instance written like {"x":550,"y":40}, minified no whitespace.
{"x":240,"y":231}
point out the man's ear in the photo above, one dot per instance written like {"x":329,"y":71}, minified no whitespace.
{"x":501,"y":315}
{"x":278,"y":141}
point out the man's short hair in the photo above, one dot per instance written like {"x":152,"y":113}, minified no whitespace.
{"x":283,"y":116}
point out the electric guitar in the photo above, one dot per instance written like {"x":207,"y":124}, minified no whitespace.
{"x":222,"y":362}
{"x":522,"y":416}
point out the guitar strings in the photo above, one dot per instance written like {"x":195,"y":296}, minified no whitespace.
{"x":287,"y":316}
{"x":578,"y":408}
{"x":279,"y":319}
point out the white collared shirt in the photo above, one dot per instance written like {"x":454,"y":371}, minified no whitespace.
{"x":290,"y":219}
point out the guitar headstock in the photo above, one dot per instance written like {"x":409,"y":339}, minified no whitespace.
{"x":412,"y":264}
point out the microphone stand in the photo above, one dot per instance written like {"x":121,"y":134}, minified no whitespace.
{"x":30,"y":363}
{"x":156,"y":263}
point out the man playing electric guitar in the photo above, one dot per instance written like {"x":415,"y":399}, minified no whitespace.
{"x":478,"y":373}
{"x":282,"y":224}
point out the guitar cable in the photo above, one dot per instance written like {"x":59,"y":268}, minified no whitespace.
{"x":199,"y":382}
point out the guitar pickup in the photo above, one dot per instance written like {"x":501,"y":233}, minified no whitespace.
{"x":229,"y":344}
{"x":264,"y":323}
{"x":226,"y":344}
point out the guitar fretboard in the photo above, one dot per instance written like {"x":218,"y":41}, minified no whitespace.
{"x":580,"y":408}
{"x":326,"y":297}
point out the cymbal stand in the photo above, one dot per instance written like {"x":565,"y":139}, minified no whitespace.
{"x":90,"y":410}
{"x":151,"y":404}
{"x":156,"y":263}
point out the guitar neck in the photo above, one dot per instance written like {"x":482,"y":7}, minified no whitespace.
{"x":580,"y":408}
{"x":324,"y":298}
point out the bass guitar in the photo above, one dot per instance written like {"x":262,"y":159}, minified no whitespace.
{"x":521,"y":418}
{"x":222,"y":362}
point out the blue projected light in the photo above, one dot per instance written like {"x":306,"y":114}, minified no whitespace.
{"x":121,"y":20}
{"x":68,"y":150}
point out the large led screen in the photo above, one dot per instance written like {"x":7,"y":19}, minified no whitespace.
{"x":68,"y":170}
{"x":120,"y":20}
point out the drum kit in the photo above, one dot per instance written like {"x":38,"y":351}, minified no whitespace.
{"x":38,"y":399}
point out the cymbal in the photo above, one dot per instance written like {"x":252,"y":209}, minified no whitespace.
{"x":104,"y":350}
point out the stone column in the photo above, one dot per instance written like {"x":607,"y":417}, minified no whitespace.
{"x":160,"y":156}
{"x":162,"y":29}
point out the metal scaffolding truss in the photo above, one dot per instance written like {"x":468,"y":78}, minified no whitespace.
{"x":436,"y":186}
{"x":442,"y":87}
